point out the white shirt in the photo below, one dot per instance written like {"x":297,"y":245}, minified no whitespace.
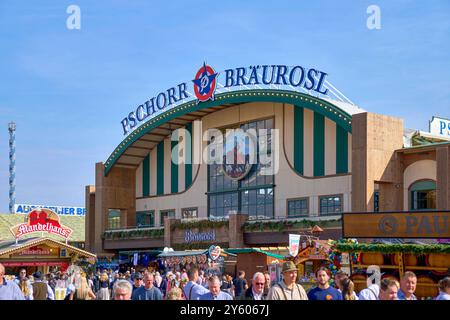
{"x":353,"y":294}
{"x":443,"y":296}
{"x":257,"y":296}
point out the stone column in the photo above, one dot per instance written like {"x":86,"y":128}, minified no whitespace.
{"x":442,"y":177}
{"x":167,"y":230}
{"x":235,"y":233}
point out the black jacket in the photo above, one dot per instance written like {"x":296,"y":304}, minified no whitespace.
{"x":249,"y":295}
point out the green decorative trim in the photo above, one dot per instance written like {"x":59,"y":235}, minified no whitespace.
{"x":319,"y":145}
{"x":174,"y":168}
{"x":341,"y":150}
{"x":298,"y":139}
{"x":146,"y":176}
{"x":200,"y":225}
{"x":188,"y":164}
{"x":133,"y":234}
{"x":423,"y":186}
{"x":393,"y":248}
{"x":160,"y":169}
{"x":284,"y":225}
{"x":318,"y":105}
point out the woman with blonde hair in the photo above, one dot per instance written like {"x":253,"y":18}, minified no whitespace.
{"x":175,"y":294}
{"x":26,"y":289}
{"x":103,"y":293}
{"x":348,"y":289}
{"x":83,"y":292}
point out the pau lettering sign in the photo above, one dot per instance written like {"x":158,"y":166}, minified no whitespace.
{"x":434,"y":225}
{"x":207,"y":80}
{"x":42,"y":221}
{"x":440,"y":127}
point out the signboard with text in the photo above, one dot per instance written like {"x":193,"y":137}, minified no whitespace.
{"x":61,"y":210}
{"x":440,"y":127}
{"x":42,"y":221}
{"x":431,"y":224}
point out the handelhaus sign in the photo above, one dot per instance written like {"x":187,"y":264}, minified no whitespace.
{"x":207,"y":80}
{"x":41,"y":220}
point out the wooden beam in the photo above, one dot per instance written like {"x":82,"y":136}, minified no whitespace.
{"x":132,"y":155}
{"x":127,"y":164}
{"x":157,"y":134}
{"x":140,"y":148}
{"x":148,"y":140}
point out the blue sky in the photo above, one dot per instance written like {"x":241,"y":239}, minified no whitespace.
{"x":68,"y":90}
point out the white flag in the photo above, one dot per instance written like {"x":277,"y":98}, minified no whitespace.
{"x":294,"y":243}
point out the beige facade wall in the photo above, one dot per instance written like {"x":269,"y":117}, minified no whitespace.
{"x":308,"y":142}
{"x":181,"y":160}
{"x":167,"y":165}
{"x":153,"y":166}
{"x":330,"y":147}
{"x":139,"y":180}
{"x":289,"y":131}
{"x":420,"y":170}
{"x":115,"y":191}
{"x":375,"y":139}
{"x":288,"y":183}
{"x":349,"y":152}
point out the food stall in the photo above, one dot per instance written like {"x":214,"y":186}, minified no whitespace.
{"x":429,"y":262}
{"x":214,"y":260}
{"x":252,"y":260}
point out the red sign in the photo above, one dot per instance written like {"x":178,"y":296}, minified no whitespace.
{"x":41,"y":220}
{"x":35,"y":264}
{"x":35,"y":251}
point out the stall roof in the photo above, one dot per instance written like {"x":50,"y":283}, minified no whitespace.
{"x":152,"y":252}
{"x":225,"y":252}
{"x":250,"y":250}
{"x":8,"y":247}
{"x":182,"y":253}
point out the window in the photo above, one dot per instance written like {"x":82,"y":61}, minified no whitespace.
{"x":376,"y":201}
{"x":113,"y":219}
{"x":297,"y":207}
{"x":189,"y":213}
{"x":257,"y":203}
{"x":423,"y":195}
{"x":253,"y":194}
{"x":165,"y":213}
{"x":145,"y":218}
{"x":330,"y":205}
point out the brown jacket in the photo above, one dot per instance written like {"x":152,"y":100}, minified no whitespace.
{"x":281,"y":292}
{"x":40,"y":291}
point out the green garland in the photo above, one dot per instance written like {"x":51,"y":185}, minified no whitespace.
{"x":198,"y":245}
{"x":133,"y":234}
{"x":392,"y":248}
{"x":200,"y":225}
{"x":287,"y":224}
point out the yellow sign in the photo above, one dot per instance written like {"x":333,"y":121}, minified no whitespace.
{"x":397,"y":225}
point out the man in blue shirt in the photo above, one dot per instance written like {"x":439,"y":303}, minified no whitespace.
{"x":8,"y":289}
{"x":324,"y":291}
{"x":407,"y":286}
{"x":214,"y":291}
{"x":192,"y":290}
{"x":148,"y":291}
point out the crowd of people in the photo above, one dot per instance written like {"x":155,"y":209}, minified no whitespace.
{"x":195,"y":284}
